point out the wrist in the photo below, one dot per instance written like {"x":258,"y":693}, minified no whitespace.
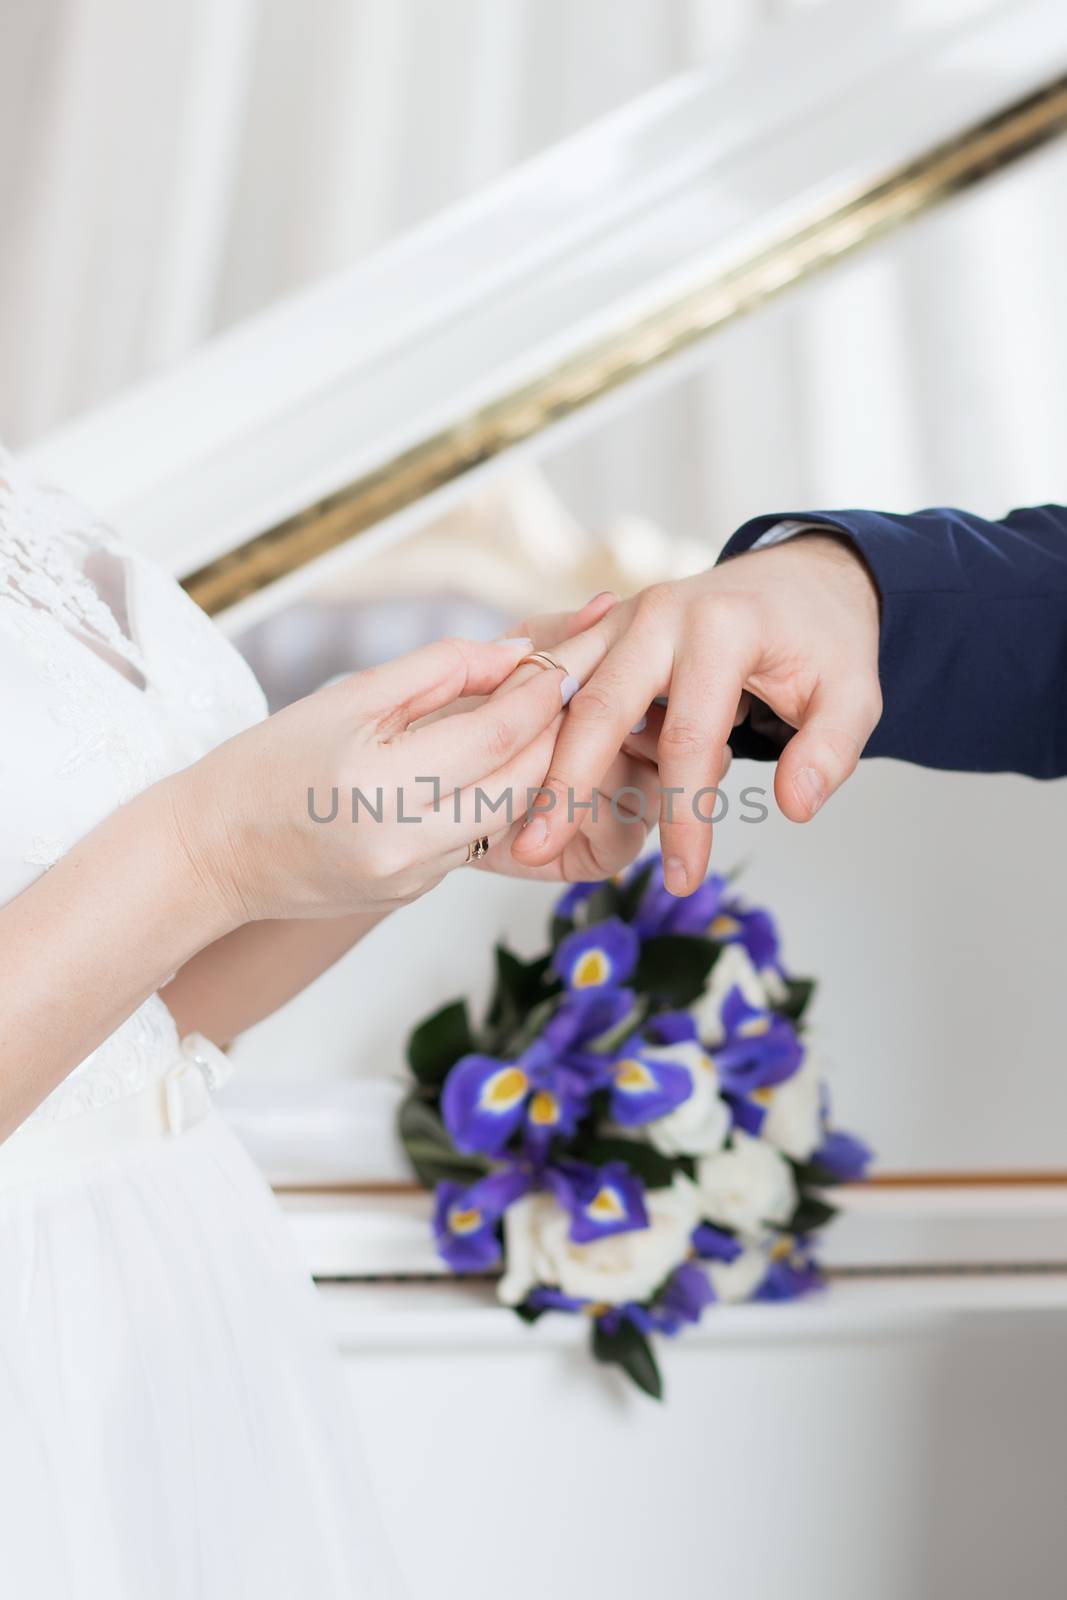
{"x":199,"y":848}
{"x":842,"y":554}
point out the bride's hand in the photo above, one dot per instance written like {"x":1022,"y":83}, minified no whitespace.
{"x":266,"y":819}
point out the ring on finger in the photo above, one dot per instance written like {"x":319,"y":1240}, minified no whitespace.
{"x":539,"y":658}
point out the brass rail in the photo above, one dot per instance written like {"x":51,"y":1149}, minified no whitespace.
{"x":837,"y":229}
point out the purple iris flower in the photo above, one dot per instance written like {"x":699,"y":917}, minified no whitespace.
{"x":546,"y":1091}
{"x":684,"y":1299}
{"x":712,"y":1244}
{"x":645,"y":1085}
{"x":707,"y":912}
{"x":789,"y":1276}
{"x":660,"y":912}
{"x":672,"y":1027}
{"x":569,"y":902}
{"x":544,"y":1299}
{"x":466,"y":1218}
{"x":842,"y":1155}
{"x":601,"y":1200}
{"x":760,"y":1048}
{"x":600,"y":957}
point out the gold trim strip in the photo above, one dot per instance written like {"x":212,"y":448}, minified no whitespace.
{"x":836,"y":230}
{"x":1039,"y":1178}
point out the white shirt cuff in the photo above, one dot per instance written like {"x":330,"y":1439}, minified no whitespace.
{"x":787,"y":529}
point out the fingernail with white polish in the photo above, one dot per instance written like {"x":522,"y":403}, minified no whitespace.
{"x":640,"y":725}
{"x":674,"y":875}
{"x":569,"y":688}
{"x":809,"y":786}
{"x":519,"y":643}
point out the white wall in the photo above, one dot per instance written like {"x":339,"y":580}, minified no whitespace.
{"x":822,"y":1452}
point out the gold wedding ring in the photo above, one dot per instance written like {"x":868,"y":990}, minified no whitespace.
{"x":477,"y":849}
{"x":538,"y":658}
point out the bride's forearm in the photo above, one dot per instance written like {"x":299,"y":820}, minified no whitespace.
{"x":88,"y":942}
{"x":253,"y":970}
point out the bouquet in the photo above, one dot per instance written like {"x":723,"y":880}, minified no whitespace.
{"x":637,"y":1130}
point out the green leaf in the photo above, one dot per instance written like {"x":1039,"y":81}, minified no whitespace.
{"x":810,"y":1175}
{"x":601,"y":904}
{"x":675,"y":967}
{"x":811,"y":1213}
{"x":631,"y":894}
{"x":629,"y":1349}
{"x":519,"y":985}
{"x":431,"y":1151}
{"x":529,"y":1027}
{"x":655,"y":1170}
{"x":438,"y":1042}
{"x":605,"y":1043}
{"x":798,"y":996}
{"x":530,"y":1314}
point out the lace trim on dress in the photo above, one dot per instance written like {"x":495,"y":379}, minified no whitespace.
{"x":45,"y":541}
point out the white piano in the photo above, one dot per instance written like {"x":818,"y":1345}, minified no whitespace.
{"x":719,"y":267}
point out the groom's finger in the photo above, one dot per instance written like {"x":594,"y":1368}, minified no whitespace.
{"x":634,"y":670}
{"x":825,"y":750}
{"x":552,"y":627}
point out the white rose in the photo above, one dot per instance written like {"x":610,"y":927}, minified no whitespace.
{"x":610,"y":1271}
{"x":738,"y":1279}
{"x":698,"y":1127}
{"x":734,"y":970}
{"x":793,"y":1122}
{"x":747,"y":1186}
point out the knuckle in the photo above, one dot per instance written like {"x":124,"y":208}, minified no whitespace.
{"x":596,"y":702}
{"x":682,"y":737}
{"x":655,"y":601}
{"x":454,"y":655}
{"x":843,"y":746}
{"x":499,"y":739}
{"x":727,"y":611}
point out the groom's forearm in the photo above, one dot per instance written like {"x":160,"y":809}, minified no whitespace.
{"x":973,"y":651}
{"x":246,"y":976}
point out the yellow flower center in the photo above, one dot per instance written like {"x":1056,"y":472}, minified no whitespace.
{"x":782,"y":1249}
{"x":544,"y":1109}
{"x":724,"y":927}
{"x":633,"y":1076}
{"x":606,"y":1206}
{"x":754,"y":1027}
{"x":468,"y":1221}
{"x":591,"y":969}
{"x":763,"y":1097}
{"x":504,"y":1089}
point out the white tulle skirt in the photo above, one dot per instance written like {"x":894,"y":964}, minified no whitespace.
{"x":173,"y":1422}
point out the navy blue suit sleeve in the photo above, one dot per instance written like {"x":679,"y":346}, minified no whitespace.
{"x":973,"y":654}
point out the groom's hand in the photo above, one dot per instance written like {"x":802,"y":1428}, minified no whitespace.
{"x":795,"y":627}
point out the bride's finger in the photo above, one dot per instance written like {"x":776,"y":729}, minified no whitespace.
{"x":474,"y":746}
{"x":491,"y":805}
{"x":397,"y":694}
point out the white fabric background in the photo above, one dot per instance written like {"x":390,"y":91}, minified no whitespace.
{"x":166,"y":169}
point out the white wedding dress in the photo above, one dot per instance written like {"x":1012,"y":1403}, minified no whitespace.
{"x":173,"y":1423}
